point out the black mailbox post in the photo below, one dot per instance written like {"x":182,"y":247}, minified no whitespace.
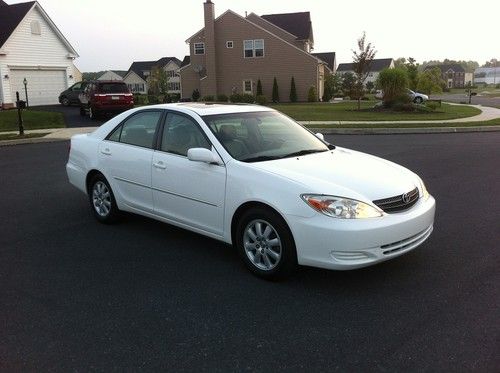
{"x":20,"y":106}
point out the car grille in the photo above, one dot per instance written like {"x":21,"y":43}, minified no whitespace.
{"x":398,"y":203}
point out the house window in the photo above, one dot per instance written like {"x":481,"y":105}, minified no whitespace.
{"x":229,"y":44}
{"x":199,"y":48}
{"x":35,"y":28}
{"x":174,"y":86}
{"x":247,"y":86}
{"x":253,"y":48}
{"x":171,"y":73}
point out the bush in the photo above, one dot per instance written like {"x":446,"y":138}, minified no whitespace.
{"x":311,"y":94}
{"x":208,"y":98}
{"x":261,"y":99}
{"x":247,"y":98}
{"x":153,"y":100}
{"x":235,"y":98}
{"x":259,"y":88}
{"x":276,"y":94}
{"x":446,"y":89}
{"x":293,"y":91}
{"x":141,"y":99}
{"x":403,"y":106}
{"x":222,"y":98}
{"x":394,"y":83}
{"x":196,"y":95}
{"x":432,"y":105}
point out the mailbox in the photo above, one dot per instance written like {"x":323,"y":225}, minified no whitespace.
{"x":21,"y":104}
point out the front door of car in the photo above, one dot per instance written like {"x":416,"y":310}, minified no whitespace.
{"x":185,"y":191}
{"x":126,"y":156}
{"x":75,"y":91}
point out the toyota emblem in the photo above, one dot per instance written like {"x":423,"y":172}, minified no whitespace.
{"x":406,"y":198}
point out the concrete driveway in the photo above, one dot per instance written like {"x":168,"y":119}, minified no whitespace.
{"x":72,"y":116}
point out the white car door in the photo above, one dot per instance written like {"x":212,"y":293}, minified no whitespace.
{"x":126,"y":155}
{"x":185,"y":191}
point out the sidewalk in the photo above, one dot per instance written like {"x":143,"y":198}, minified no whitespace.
{"x":487,"y":113}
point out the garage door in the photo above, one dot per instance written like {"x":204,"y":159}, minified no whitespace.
{"x":44,"y":86}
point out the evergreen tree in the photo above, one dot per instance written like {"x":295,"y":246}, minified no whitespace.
{"x":276,"y":94}
{"x":293,"y":91}
{"x":259,"y":88}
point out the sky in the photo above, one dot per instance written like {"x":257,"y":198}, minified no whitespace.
{"x":111,"y":34}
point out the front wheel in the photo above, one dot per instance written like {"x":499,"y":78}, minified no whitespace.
{"x":418,"y":100}
{"x":102,"y":200}
{"x":266,"y":244}
{"x":65,"y":101}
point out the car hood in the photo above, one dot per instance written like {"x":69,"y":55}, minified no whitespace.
{"x":344,"y":173}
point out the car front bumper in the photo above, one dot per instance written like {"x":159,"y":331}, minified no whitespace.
{"x":331,"y":243}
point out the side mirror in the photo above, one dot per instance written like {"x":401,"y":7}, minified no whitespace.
{"x":320,"y":136}
{"x":202,"y":155}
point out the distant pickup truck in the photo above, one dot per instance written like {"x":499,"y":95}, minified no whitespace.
{"x":416,"y":97}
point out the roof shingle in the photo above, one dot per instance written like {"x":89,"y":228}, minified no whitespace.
{"x":10,"y":17}
{"x":328,"y":58}
{"x":298,"y":24}
{"x":376,"y":65}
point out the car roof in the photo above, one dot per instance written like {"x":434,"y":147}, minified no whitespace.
{"x":202,"y":108}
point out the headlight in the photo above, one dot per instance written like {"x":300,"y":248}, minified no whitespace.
{"x":423,"y":190}
{"x":342,"y":208}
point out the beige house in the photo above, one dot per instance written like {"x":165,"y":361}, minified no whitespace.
{"x":138,"y":74}
{"x":231,"y":53}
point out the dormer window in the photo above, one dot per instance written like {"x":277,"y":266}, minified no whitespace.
{"x":35,"y":28}
{"x":199,"y":48}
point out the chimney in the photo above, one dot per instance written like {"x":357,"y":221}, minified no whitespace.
{"x":210,"y":82}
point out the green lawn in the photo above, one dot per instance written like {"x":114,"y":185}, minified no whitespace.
{"x":32,"y":120}
{"x":347,"y":111}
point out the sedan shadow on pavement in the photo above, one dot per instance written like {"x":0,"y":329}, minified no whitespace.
{"x":72,"y":116}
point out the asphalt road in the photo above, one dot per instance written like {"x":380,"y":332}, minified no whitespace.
{"x":76,"y":295}
{"x":72,"y":116}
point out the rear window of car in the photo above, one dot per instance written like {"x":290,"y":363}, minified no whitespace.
{"x":113,"y":88}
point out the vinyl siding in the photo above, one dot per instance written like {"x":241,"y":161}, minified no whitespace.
{"x":44,"y":51}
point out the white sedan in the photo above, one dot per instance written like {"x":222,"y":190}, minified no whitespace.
{"x":252,"y":177}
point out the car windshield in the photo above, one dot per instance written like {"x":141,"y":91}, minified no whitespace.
{"x":261,"y":136}
{"x":113,"y":88}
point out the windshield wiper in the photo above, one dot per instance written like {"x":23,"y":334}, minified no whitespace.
{"x":302,"y":152}
{"x":259,"y":158}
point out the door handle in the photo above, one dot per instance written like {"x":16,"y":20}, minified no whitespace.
{"x":160,"y":165}
{"x":106,"y":151}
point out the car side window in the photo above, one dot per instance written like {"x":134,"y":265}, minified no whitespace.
{"x":182,"y":133}
{"x":138,"y":130}
{"x":77,"y":87}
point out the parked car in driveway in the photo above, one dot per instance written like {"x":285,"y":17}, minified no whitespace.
{"x":71,"y":95}
{"x":105,"y":97}
{"x":416,"y":97}
{"x":252,"y":177}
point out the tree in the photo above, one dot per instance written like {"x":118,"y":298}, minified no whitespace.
{"x":430,"y":81}
{"x":196,"y":95}
{"x":370,"y":86}
{"x":333,"y":84}
{"x":348,"y":82}
{"x":411,"y":68}
{"x":259,"y":88}
{"x":394,"y":83}
{"x":491,"y":63}
{"x":158,"y":81}
{"x":293,"y":91}
{"x":312,"y":96}
{"x":362,"y":59}
{"x":276,"y":94}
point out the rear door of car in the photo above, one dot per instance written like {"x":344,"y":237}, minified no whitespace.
{"x":185,"y":191}
{"x":126,"y":155}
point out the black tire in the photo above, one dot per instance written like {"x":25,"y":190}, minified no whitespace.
{"x":65,"y":101}
{"x":287,"y":262}
{"x":82,"y":111}
{"x":418,"y":100}
{"x":98,"y":198}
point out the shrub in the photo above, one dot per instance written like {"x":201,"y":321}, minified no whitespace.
{"x":222,"y":98}
{"x":175,"y":97}
{"x":446,"y":89}
{"x":247,"y":98}
{"x":311,"y":94}
{"x":403,"y":106}
{"x":208,"y":98}
{"x":370,"y":86}
{"x":276,"y":94}
{"x":141,"y":100}
{"x":432,"y":105}
{"x":293,"y":91}
{"x":259,"y":88}
{"x":196,"y":95}
{"x":394,"y":83}
{"x":153,"y":100}
{"x":235,"y":98}
{"x":261,"y":99}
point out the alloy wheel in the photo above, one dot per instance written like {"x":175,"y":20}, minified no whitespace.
{"x":262,"y":245}
{"x":101,"y":199}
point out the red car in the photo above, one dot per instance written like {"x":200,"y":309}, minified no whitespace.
{"x":105,"y":97}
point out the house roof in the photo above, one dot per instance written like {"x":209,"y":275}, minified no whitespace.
{"x":444,"y":68}
{"x":376,"y":65}
{"x":122,"y":73}
{"x":298,"y":24}
{"x":10,"y":17}
{"x":327,"y":57}
{"x":186,"y":61}
{"x":164,"y":61}
{"x":139,"y":67}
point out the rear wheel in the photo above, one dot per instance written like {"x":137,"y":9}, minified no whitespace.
{"x":102,"y":201}
{"x":265,"y":244}
{"x":82,"y":111}
{"x":93,"y":113}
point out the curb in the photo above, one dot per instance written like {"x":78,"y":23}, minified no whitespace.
{"x":34,"y":140}
{"x":396,"y":131}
